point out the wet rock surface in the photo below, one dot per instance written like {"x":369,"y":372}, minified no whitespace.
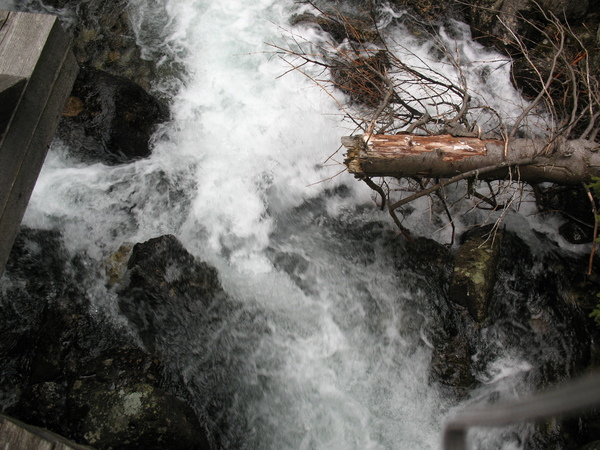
{"x":178,"y":308}
{"x":573,"y":204}
{"x":75,"y":374}
{"x":475,"y":268}
{"x":163,"y":278}
{"x":134,"y":412}
{"x":109,"y":118}
{"x":103,"y":36}
{"x":498,"y":22}
{"x":539,"y":304}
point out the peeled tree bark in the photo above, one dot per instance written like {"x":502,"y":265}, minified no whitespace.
{"x":445,"y":156}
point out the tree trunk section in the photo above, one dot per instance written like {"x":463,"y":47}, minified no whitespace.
{"x":445,"y":156}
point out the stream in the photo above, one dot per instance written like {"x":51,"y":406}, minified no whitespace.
{"x":330,"y":343}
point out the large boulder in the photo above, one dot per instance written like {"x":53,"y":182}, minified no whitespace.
{"x":114,"y":401}
{"x":162,"y":280}
{"x":109,"y":118}
{"x":76,"y":373}
{"x":176,"y":305}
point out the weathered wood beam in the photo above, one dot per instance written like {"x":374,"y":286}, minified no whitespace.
{"x":32,"y":47}
{"x":15,"y":434}
{"x":11,"y":88}
{"x":445,"y":156}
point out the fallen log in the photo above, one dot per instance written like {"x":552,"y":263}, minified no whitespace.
{"x":445,"y":156}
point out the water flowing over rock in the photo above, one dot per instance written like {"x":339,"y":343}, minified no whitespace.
{"x":103,"y":36}
{"x":177,"y":306}
{"x":75,"y":374}
{"x":547,"y":298}
{"x":162,"y":278}
{"x":331,"y":331}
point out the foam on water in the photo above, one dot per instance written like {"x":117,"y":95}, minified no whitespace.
{"x":344,"y":362}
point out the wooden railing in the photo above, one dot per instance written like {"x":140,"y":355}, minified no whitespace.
{"x":37,"y":72}
{"x":572,"y":398}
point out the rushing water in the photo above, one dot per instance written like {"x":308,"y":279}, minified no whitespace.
{"x":335,"y":349}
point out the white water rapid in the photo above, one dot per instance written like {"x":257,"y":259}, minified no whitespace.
{"x":336,"y":355}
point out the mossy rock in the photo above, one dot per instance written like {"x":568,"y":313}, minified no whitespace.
{"x":474,"y":273}
{"x":140,"y":416}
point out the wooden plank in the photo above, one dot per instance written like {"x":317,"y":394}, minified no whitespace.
{"x":11,"y":88}
{"x":32,"y":46}
{"x":15,"y":434}
{"x":24,"y":36}
{"x":3,"y":30}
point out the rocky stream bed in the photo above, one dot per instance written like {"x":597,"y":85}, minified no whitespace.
{"x":111,"y":384}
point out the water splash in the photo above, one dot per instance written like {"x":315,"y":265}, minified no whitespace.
{"x":334,"y":353}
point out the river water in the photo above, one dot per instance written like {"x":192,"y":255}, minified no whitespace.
{"x":338,"y":354}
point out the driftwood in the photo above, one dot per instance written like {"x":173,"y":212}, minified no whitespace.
{"x":445,"y":156}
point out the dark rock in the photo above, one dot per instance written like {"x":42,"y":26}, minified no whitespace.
{"x":341,"y":26}
{"x":434,"y":10}
{"x":103,"y":37}
{"x":451,"y":363}
{"x":573,"y":204}
{"x":576,"y":233}
{"x":566,"y":9}
{"x":475,"y":271}
{"x":141,"y":417}
{"x":43,"y":404}
{"x":497,"y":22}
{"x":115,"y":402}
{"x":432,"y":259}
{"x":36,"y":279}
{"x":179,"y":310}
{"x":68,"y":371}
{"x":551,"y":303}
{"x":163,"y":278}
{"x":109,"y":118}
